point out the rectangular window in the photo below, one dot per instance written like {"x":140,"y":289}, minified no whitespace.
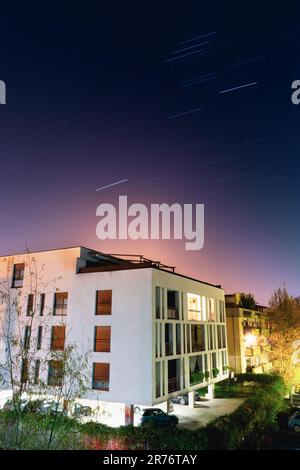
{"x":173,"y":305}
{"x":103,"y":302}
{"x":42,"y":304}
{"x":55,"y":373}
{"x":157,"y":379}
{"x":27,"y":337}
{"x":30,"y":302}
{"x":213,"y":360}
{"x":196,"y":369}
{"x":39,"y":338}
{"x":219,"y":337}
{"x":222,"y":311}
{"x":169,"y":339}
{"x":211,"y":310}
{"x":194,"y":307}
{"x":58,"y":338}
{"x":37,"y":371}
{"x":223,"y":336}
{"x":102,"y":339}
{"x":101,"y":376}
{"x":157,"y":302}
{"x":24,"y":371}
{"x":204,"y":309}
{"x":188,"y":342}
{"x":198,"y":338}
{"x":178,"y":338}
{"x":211,"y":337}
{"x":163,"y":302}
{"x":18,"y":275}
{"x":61,"y":303}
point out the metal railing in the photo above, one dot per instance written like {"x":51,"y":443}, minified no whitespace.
{"x":173,"y":384}
{"x":173,"y":314}
{"x":101,"y":383}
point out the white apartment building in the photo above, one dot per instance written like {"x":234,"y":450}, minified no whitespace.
{"x":151,"y":333}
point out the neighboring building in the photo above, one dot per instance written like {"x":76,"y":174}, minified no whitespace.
{"x":154,"y":334}
{"x":247,"y":333}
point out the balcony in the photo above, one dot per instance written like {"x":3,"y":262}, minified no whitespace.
{"x":173,"y":314}
{"x":101,"y":384}
{"x":173,"y":384}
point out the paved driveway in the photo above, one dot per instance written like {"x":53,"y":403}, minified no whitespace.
{"x":205,"y":411}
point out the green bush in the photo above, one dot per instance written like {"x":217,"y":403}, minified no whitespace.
{"x":245,"y":428}
{"x":215,"y":372}
{"x":197,"y":377}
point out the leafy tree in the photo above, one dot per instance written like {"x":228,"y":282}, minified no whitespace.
{"x":284,"y":318}
{"x":247,"y":301}
{"x":19,"y":354}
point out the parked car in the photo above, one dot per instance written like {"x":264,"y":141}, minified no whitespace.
{"x":294,"y":421}
{"x":157,"y":417}
{"x":181,"y":400}
{"x":184,"y":399}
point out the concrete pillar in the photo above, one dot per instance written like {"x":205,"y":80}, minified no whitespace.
{"x":192,"y":399}
{"x":211,"y":391}
{"x":168,"y":406}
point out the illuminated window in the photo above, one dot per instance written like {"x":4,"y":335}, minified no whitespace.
{"x":222,"y":311}
{"x":211,"y":310}
{"x":204,"y":314}
{"x":194,"y":307}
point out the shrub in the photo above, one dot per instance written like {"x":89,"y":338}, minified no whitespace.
{"x":197,"y":377}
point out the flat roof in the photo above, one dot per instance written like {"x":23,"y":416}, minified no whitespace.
{"x":107,"y":268}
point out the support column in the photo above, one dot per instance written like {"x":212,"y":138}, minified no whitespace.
{"x":211,"y":391}
{"x":168,"y":403}
{"x":192,"y":399}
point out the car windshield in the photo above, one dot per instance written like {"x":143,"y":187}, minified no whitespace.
{"x":153,"y":413}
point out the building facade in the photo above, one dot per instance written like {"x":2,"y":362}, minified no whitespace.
{"x":150,"y":334}
{"x":247,"y":335}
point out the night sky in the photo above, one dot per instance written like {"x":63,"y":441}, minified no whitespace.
{"x":189,"y":105}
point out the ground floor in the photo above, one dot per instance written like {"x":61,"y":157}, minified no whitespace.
{"x":196,"y":413}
